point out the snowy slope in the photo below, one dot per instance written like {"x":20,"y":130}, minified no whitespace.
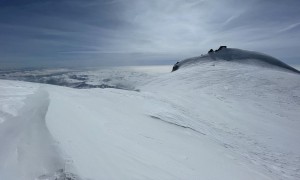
{"x":238,"y":55}
{"x":213,"y":120}
{"x":253,"y":111}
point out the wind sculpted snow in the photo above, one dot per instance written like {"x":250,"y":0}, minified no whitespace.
{"x":27,"y":148}
{"x":212,"y":120}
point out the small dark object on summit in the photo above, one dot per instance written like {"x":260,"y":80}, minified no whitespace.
{"x":211,"y":51}
{"x":221,"y":47}
{"x":175,"y":67}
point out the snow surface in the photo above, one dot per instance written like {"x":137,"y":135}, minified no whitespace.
{"x":213,"y":120}
{"x":241,"y":56}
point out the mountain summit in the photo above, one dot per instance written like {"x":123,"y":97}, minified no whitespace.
{"x":236,"y":55}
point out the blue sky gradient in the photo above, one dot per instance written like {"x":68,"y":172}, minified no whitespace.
{"x":60,"y":33}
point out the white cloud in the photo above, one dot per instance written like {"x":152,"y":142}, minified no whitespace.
{"x":292,"y":26}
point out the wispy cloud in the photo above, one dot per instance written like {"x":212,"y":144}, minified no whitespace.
{"x":91,"y":29}
{"x":290,"y":27}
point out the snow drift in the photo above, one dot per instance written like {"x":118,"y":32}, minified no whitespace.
{"x":215,"y":119}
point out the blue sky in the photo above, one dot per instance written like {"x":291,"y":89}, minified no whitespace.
{"x":121,"y":32}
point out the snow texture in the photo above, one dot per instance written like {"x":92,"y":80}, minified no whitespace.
{"x":213,"y":120}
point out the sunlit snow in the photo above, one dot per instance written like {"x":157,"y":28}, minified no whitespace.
{"x":212,"y":119}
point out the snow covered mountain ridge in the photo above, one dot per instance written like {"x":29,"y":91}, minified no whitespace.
{"x":236,"y":55}
{"x":212,"y":119}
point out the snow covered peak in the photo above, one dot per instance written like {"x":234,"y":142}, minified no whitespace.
{"x":236,"y":55}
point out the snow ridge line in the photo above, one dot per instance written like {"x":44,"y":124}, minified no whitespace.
{"x":28,"y":144}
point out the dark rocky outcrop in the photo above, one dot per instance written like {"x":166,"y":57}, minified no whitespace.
{"x":211,"y":51}
{"x":175,"y":67}
{"x":221,"y":47}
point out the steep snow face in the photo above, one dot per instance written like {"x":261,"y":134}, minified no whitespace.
{"x":27,"y":148}
{"x":214,"y":120}
{"x":238,"y":55}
